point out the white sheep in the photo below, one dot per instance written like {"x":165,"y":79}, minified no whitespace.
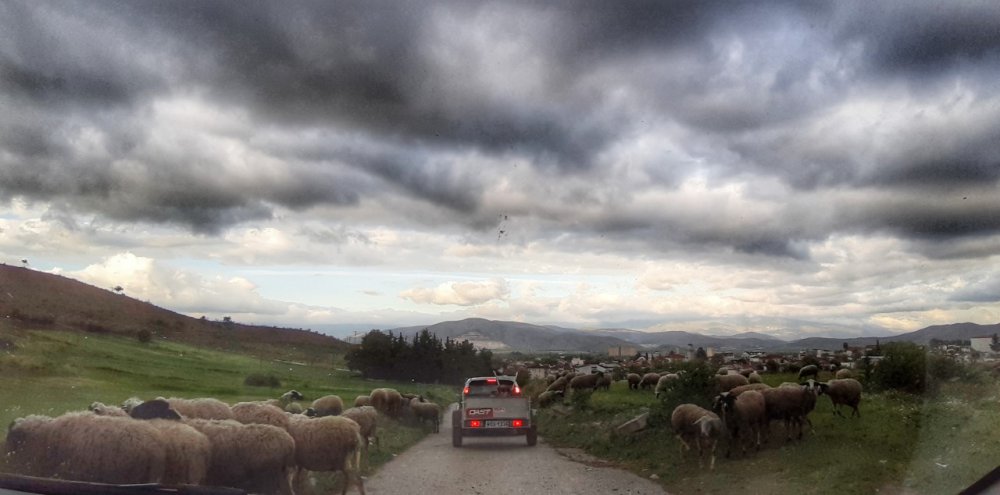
{"x":329,"y":443}
{"x":844,"y":373}
{"x":83,"y":446}
{"x":362,"y":400}
{"x":254,"y":457}
{"x":102,"y":409}
{"x":664,"y":383}
{"x":753,"y":377}
{"x":367,"y":418}
{"x":259,"y":413}
{"x":204,"y":408}
{"x":693,"y":424}
{"x":328,"y":405}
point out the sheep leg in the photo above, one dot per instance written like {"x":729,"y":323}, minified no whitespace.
{"x":685,"y":446}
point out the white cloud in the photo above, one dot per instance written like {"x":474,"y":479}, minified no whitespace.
{"x":146,"y":279}
{"x":460,"y":293}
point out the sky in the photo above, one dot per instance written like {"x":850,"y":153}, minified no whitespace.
{"x":793,"y":168}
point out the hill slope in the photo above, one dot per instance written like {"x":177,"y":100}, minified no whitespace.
{"x":42,"y":301}
{"x":511,"y":335}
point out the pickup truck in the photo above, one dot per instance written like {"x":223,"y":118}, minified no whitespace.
{"x":493,"y":406}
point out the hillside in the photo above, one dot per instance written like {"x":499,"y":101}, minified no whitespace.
{"x":41,"y":301}
{"x":509,"y":335}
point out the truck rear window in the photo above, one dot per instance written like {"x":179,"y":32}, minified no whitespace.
{"x":490,"y":388}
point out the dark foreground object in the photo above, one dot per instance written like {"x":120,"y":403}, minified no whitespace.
{"x":47,"y":486}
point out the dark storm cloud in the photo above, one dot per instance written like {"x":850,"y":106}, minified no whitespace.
{"x":928,"y":38}
{"x":986,"y":290}
{"x":352,"y":101}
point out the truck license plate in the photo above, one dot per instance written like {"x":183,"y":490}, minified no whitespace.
{"x":496,"y":423}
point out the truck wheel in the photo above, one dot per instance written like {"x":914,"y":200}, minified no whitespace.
{"x":532,"y":436}
{"x":456,"y":428}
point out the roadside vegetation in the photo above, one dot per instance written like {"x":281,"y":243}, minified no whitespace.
{"x":51,"y":372}
{"x":938,"y":441}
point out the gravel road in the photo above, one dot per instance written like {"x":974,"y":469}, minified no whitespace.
{"x":499,"y":466}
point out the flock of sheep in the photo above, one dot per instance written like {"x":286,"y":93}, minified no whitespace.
{"x":262,"y":447}
{"x":742,"y":411}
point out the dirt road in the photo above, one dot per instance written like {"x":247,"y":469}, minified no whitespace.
{"x":498,"y":466}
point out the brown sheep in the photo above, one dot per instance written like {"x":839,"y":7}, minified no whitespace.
{"x":362,"y":400}
{"x":254,"y":457}
{"x":649,"y":380}
{"x":809,"y":370}
{"x":753,"y":377}
{"x":83,"y":446}
{"x":328,"y":443}
{"x":693,"y":424}
{"x":846,"y":391}
{"x":744,"y":414}
{"x":735,"y":391}
{"x":844,"y":373}
{"x":664,"y":383}
{"x":387,"y":401}
{"x":559,"y":385}
{"x":260,"y":413}
{"x":585,"y":382}
{"x":206,"y":408}
{"x":790,"y":404}
{"x":725,"y":383}
{"x":605,"y":382}
{"x":367,"y":418}
{"x":328,"y":405}
{"x":426,"y":411}
{"x":633,"y":381}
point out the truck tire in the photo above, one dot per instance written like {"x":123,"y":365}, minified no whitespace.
{"x":456,"y":428}
{"x":532,"y":436}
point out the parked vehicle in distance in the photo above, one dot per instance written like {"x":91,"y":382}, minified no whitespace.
{"x":493,"y":406}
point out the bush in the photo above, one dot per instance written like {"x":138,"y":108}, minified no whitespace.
{"x":903,"y":367}
{"x":696,"y":385}
{"x":144,"y":336}
{"x":580,"y":399}
{"x":262,"y":380}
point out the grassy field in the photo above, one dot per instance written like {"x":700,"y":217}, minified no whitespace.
{"x":51,"y":372}
{"x":901,"y":444}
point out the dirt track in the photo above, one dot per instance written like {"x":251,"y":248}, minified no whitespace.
{"x":498,"y":466}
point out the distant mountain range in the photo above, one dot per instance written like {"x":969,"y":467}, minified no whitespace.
{"x":511,"y":336}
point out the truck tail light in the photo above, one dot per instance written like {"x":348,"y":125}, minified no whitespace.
{"x":475,"y":423}
{"x":491,"y":381}
{"x":465,"y":391}
{"x":517,"y":423}
{"x":516,"y":392}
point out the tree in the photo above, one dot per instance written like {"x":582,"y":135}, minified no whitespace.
{"x":995,"y":344}
{"x":118,"y":289}
{"x":700,"y":354}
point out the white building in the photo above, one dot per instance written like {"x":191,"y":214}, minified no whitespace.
{"x":982,"y":344}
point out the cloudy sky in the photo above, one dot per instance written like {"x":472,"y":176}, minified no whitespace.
{"x":785,"y":167}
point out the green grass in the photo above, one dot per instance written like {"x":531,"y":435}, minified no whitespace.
{"x":53,"y":372}
{"x":931,"y":445}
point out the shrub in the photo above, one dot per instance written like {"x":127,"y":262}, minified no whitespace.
{"x":262,"y":380}
{"x":696,"y":385}
{"x":580,"y":399}
{"x":144,"y":336}
{"x":903,"y":367}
